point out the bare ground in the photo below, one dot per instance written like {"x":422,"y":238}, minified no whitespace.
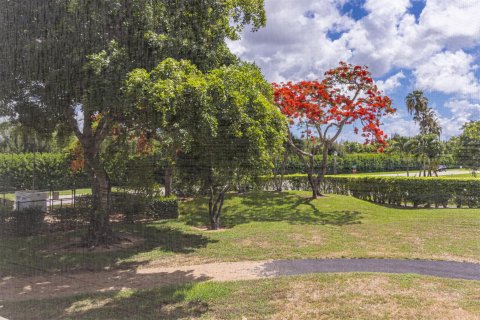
{"x":61,"y":285}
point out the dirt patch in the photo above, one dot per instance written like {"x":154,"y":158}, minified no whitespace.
{"x":209,"y":229}
{"x":75,"y":245}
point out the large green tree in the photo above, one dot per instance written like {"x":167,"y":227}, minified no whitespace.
{"x":64,"y":64}
{"x":228,"y":126}
{"x":467,"y":150}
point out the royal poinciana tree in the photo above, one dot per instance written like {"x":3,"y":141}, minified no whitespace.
{"x":321,"y":110}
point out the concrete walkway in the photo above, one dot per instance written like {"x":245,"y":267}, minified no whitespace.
{"x":416,"y":172}
{"x":58,"y":285}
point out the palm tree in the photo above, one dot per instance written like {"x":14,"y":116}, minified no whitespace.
{"x":416,"y":102}
{"x":429,"y":123}
{"x":401,"y":145}
{"x":417,"y":105}
{"x":427,"y":148}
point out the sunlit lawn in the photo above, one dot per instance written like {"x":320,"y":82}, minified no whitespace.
{"x":325,"y":296}
{"x":267,"y":225}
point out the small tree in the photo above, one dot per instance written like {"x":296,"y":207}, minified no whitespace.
{"x":321,"y":110}
{"x":428,"y":149}
{"x":229,"y":124}
{"x":467,"y":151}
{"x":402,"y":146}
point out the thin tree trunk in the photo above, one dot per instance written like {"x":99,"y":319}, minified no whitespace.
{"x":323,"y":169}
{"x":310,"y":175}
{"x":168,"y":180}
{"x":215,"y":206}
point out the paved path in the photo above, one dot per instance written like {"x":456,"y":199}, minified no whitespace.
{"x":58,"y":285}
{"x":415,"y":173}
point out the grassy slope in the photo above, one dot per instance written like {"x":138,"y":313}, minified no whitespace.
{"x":266,"y":225}
{"x":339,"y":296}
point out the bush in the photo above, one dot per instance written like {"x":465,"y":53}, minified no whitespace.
{"x":163,"y":208}
{"x":25,"y":222}
{"x":52,"y":172}
{"x":367,"y":162}
{"x":394,"y":190}
{"x":70,"y":218}
{"x":129,"y":204}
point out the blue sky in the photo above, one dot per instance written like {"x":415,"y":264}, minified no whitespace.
{"x":432,"y":45}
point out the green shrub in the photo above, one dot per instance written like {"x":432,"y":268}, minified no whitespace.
{"x":69,"y":218}
{"x":395,"y":190}
{"x":367,"y":162}
{"x":52,"y":171}
{"x":129,"y":204}
{"x":25,"y":222}
{"x":163,"y":208}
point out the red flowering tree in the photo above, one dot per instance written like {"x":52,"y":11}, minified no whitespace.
{"x":322,"y":109}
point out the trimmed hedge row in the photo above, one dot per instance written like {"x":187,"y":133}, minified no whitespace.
{"x":132,"y":205}
{"x":368,"y":162}
{"x":52,"y":171}
{"x":396,"y":190}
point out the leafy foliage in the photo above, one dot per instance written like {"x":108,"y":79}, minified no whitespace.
{"x":468,"y":145}
{"x":346,"y":96}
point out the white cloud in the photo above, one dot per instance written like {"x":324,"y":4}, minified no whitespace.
{"x":293,"y":46}
{"x":462,"y":111}
{"x":391,"y":83}
{"x":450,"y":73}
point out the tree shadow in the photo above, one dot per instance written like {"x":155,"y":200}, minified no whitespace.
{"x":33,"y":255}
{"x":168,"y":301}
{"x":275,"y":207}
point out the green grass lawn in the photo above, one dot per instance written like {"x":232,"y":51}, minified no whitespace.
{"x":323,"y":296}
{"x":267,"y":225}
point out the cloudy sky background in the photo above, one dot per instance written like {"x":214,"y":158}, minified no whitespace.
{"x":433,"y":45}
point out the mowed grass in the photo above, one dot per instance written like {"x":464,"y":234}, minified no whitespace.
{"x":262,"y":226}
{"x":322,"y":296}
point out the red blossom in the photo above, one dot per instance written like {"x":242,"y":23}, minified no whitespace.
{"x":321,"y":103}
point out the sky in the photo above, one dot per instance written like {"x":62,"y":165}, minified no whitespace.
{"x":431,"y":45}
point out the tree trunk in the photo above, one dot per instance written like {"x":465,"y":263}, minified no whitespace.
{"x":323,"y":169}
{"x":310,"y":175}
{"x":99,"y":230}
{"x":168,"y":180}
{"x":215,"y":205}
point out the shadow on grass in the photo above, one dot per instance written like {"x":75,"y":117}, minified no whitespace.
{"x":271,"y":207}
{"x":33,"y":255}
{"x":179,"y":299}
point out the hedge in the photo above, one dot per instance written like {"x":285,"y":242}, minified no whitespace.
{"x":414,"y":191}
{"x":52,"y":171}
{"x":367,"y":162}
{"x":132,"y":205}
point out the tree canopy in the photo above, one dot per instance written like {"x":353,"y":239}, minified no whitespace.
{"x":322,"y":109}
{"x":227,"y":125}
{"x":468,"y":146}
{"x":64,"y":63}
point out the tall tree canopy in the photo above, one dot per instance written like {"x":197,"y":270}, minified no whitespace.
{"x":468,"y":146}
{"x":66,"y":61}
{"x":227,"y":124}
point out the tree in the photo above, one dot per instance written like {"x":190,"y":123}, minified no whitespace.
{"x":467,"y":151}
{"x":66,"y":61}
{"x":238,"y":144}
{"x":402,"y":146}
{"x":172,"y":108}
{"x":321,"y":110}
{"x":427,"y":148}
{"x":417,"y":105}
